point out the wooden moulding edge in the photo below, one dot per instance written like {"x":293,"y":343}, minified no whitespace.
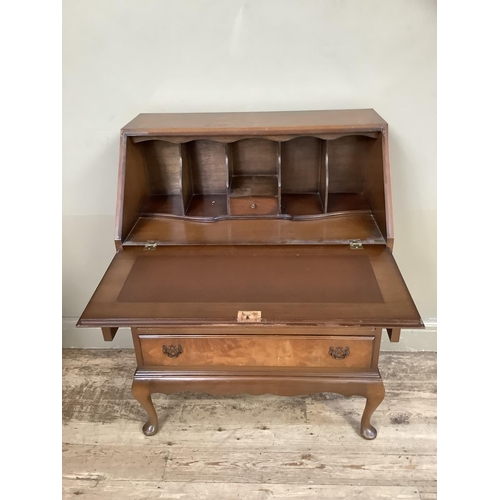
{"x":228,"y":374}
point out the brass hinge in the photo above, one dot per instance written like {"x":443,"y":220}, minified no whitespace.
{"x":355,"y":244}
{"x":150,"y":245}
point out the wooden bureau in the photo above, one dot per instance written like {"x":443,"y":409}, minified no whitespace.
{"x":254,"y":255}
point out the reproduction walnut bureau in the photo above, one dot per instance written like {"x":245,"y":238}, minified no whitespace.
{"x":254,"y":255}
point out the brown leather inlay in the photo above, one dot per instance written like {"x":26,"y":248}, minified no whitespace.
{"x":252,"y":278}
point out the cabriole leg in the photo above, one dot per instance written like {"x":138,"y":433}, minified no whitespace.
{"x":374,"y":395}
{"x":140,"y":391}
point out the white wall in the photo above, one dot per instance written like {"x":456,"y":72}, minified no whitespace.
{"x":124,"y":57}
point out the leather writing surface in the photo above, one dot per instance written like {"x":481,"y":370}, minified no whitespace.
{"x":295,"y":278}
{"x":115,"y":303}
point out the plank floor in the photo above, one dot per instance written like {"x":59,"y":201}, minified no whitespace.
{"x":255,"y":448}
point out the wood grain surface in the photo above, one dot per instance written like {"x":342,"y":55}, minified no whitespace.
{"x":266,"y":447}
{"x":302,"y":158}
{"x":338,"y":229}
{"x":248,"y":350}
{"x":208,"y":167}
{"x":254,"y":157}
{"x":256,"y":123}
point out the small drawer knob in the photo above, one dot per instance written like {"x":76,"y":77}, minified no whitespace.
{"x":339,"y":352}
{"x":253,"y":205}
{"x":172,"y":351}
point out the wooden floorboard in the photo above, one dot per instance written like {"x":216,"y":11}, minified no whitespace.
{"x":263,"y":447}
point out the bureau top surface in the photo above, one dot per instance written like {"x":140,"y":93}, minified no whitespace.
{"x":327,"y":285}
{"x":255,"y":123}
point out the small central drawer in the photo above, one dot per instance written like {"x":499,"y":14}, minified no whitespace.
{"x":253,"y":205}
{"x":258,"y":350}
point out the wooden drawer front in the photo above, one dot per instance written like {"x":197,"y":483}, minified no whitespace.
{"x":249,"y":350}
{"x":258,"y":205}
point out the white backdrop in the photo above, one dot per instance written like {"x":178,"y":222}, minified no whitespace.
{"x":124,"y":57}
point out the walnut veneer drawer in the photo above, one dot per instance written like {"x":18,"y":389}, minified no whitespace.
{"x":252,"y":350}
{"x":253,"y":205}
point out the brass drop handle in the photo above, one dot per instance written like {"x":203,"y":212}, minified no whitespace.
{"x":172,"y":351}
{"x":339,"y":352}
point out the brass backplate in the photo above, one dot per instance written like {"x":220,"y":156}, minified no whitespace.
{"x":249,"y":316}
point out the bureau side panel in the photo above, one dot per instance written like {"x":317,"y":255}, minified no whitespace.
{"x":133,"y":188}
